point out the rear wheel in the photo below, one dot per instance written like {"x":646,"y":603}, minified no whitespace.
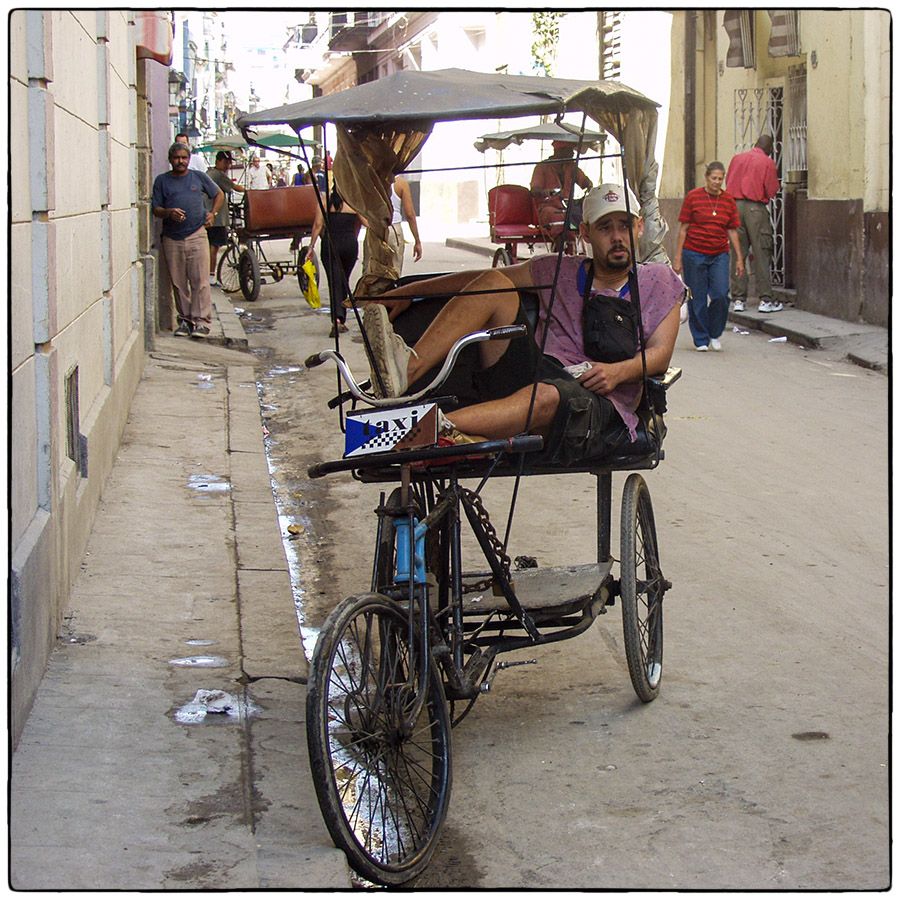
{"x":227,"y":271}
{"x":383,"y":787}
{"x":248,"y":273}
{"x":642,"y":588}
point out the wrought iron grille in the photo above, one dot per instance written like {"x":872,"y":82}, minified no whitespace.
{"x":761,"y":111}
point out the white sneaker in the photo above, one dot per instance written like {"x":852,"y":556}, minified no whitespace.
{"x":775,"y":306}
{"x":764,"y":306}
{"x":212,"y":280}
{"x":738,"y":305}
{"x":389,"y":351}
{"x":701,"y":349}
{"x":715,"y":344}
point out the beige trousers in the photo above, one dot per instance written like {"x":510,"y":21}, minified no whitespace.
{"x":188,"y":265}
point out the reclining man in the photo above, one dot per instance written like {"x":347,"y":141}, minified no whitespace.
{"x":581,"y":418}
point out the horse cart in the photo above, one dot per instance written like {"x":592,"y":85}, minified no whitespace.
{"x":397,"y":665}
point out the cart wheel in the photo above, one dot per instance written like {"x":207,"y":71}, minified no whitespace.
{"x":642,"y":589}
{"x":383,"y":789}
{"x":277,"y":272}
{"x":501,"y":258}
{"x":228,"y":271}
{"x":248,"y":273}
{"x":302,"y":277}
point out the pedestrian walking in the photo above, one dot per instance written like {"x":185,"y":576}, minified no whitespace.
{"x":709,"y":223}
{"x":753,"y":181}
{"x":177,"y":199}
{"x":340,"y":250}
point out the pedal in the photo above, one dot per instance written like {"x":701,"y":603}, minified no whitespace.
{"x":488,"y":682}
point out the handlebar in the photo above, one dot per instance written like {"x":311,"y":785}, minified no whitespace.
{"x":504,"y":332}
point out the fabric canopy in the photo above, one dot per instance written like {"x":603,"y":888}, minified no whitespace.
{"x":550,"y":131}
{"x":381,"y":126}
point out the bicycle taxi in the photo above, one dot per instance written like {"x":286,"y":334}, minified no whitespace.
{"x":513,"y":214}
{"x":399,"y":664}
{"x":259,"y":217}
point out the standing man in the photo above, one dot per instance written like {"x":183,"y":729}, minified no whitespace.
{"x":753,"y":181}
{"x":197,"y":163}
{"x":257,"y":179}
{"x":177,"y":199}
{"x":218,"y":231}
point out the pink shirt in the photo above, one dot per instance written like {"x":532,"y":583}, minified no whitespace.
{"x":661,"y":290}
{"x":752,"y":176}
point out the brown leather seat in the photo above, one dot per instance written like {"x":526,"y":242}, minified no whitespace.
{"x":281,"y":209}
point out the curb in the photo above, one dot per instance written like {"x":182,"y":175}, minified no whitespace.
{"x":471,"y":246}
{"x":233,"y":334}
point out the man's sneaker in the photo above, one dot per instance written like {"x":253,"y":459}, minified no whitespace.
{"x":200,"y":331}
{"x":702,"y":348}
{"x":212,"y":281}
{"x":738,"y":305}
{"x":183,"y":329}
{"x":390,"y":354}
{"x":449,"y":435}
{"x":715,"y":344}
{"x":764,"y":306}
{"x":775,"y":306}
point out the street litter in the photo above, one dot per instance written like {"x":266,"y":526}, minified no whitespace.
{"x":209,"y":662}
{"x":212,"y":702}
{"x":737,"y":330}
{"x":778,"y":340}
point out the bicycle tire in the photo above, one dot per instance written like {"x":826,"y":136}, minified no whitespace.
{"x":248,"y":272}
{"x":227,"y":271}
{"x":383,"y":792}
{"x":502,"y":258}
{"x":642,"y":590}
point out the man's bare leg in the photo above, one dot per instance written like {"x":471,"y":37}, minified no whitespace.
{"x":462,"y":315}
{"x":507,"y":416}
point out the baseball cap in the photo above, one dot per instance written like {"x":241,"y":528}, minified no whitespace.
{"x":223,"y":154}
{"x":608,"y":198}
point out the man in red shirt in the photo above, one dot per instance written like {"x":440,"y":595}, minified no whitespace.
{"x":753,"y":181}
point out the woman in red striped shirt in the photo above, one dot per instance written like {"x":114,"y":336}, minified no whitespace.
{"x":709,"y":223}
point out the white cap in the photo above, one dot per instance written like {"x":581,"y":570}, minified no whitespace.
{"x":608,"y":198}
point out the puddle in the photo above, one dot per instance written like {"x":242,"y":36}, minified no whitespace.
{"x":217,"y":706}
{"x":208,"y":484}
{"x":283,"y":370}
{"x":206,"y":662}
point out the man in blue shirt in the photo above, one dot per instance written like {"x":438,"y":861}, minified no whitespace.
{"x":178,"y":199}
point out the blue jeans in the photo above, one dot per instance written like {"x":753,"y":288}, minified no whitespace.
{"x":707,"y":277}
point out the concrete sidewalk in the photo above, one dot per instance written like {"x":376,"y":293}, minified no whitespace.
{"x":123,"y":779}
{"x":864,"y":345}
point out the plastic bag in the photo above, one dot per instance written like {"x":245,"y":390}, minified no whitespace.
{"x":309,"y":285}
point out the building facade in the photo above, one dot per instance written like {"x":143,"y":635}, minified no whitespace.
{"x":80,"y":271}
{"x":818,"y":81}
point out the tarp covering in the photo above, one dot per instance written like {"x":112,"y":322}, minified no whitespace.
{"x":381,"y":126}
{"x":549,"y":131}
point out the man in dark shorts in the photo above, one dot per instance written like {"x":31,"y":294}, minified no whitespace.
{"x":178,"y":200}
{"x":581,"y":416}
{"x":217,"y":233}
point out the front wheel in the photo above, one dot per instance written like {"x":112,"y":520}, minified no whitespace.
{"x":227,"y":271}
{"x":642,"y":588}
{"x":501,"y":258}
{"x":382,"y":786}
{"x":248,"y":273}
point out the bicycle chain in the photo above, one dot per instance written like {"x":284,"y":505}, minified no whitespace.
{"x":496,"y":545}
